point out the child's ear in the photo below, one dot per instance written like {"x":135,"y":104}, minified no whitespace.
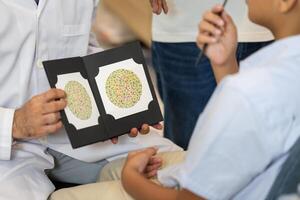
{"x":287,"y":5}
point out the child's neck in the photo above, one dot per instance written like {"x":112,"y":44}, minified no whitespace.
{"x":288,"y":27}
{"x":286,"y":33}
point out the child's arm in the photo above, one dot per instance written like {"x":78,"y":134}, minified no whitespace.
{"x":143,"y":165}
{"x":219,"y":32}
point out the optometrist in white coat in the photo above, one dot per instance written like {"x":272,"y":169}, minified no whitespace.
{"x":31,"y":32}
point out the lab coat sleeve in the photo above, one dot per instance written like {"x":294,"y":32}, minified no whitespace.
{"x":94,"y":46}
{"x":6,"y":122}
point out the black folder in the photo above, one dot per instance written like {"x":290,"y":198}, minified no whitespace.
{"x":108,"y":93}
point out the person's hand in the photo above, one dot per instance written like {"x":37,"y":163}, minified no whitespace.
{"x":143,"y":162}
{"x":145,"y":129}
{"x":39,"y":116}
{"x":158,"y":6}
{"x":217,"y":29}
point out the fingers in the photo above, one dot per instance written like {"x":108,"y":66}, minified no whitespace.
{"x":133,"y":132}
{"x":211,"y":28}
{"x":165,"y":6}
{"x":144,"y":161}
{"x":145,"y":129}
{"x":151,"y":170}
{"x":51,"y":118}
{"x":114,"y":140}
{"x":217,"y":9}
{"x":55,"y":106}
{"x":154,"y":167}
{"x":213,"y":18}
{"x":151,"y":174}
{"x":158,"y":126}
{"x":45,"y":130}
{"x":155,"y":160}
{"x":206,"y":27}
{"x":159,"y":2}
{"x":53,"y":94}
{"x":158,"y":6}
{"x":205,"y":39}
{"x":154,"y":6}
{"x":150,"y":151}
{"x":228,"y":20}
{"x":213,"y":21}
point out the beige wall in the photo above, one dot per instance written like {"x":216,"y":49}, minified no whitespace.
{"x":136,"y":14}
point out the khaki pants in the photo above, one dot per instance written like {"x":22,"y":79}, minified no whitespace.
{"x":109,"y":186}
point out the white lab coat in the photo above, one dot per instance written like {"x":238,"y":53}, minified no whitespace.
{"x":30,"y":34}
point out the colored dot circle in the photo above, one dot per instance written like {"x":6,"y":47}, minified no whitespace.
{"x":78,"y":100}
{"x":123,"y":88}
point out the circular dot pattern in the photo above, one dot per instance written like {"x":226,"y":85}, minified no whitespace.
{"x":78,"y":100}
{"x":123,"y":88}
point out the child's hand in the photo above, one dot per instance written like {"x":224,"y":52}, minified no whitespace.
{"x":144,"y":162}
{"x":158,"y":6}
{"x":219,"y":32}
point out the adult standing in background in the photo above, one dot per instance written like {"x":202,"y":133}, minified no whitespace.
{"x":185,"y":86}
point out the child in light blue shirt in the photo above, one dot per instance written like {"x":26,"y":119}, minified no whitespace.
{"x":243,"y":137}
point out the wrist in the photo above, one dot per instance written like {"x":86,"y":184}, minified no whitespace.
{"x":229,"y":62}
{"x":128,"y":174}
{"x":16,"y":130}
{"x":131,"y":179}
{"x":230,"y":66}
{"x":128,"y":170}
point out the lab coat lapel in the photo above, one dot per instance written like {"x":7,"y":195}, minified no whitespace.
{"x":41,"y":6}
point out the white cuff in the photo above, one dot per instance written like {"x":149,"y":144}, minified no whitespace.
{"x":6,"y":123}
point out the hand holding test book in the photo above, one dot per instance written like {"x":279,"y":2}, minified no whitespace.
{"x":108,"y":93}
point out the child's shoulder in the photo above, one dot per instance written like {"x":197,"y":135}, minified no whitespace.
{"x":267,"y":85}
{"x":251,"y":81}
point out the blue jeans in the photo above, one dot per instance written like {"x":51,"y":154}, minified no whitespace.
{"x":184,"y":87}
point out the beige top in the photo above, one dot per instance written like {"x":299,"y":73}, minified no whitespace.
{"x":181,"y":23}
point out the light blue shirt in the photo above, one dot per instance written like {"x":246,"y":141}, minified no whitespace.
{"x":243,"y":136}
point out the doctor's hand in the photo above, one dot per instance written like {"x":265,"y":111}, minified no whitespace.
{"x":158,"y":6}
{"x":145,"y":129}
{"x":218,"y":30}
{"x":39,"y":116}
{"x":144,"y":162}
